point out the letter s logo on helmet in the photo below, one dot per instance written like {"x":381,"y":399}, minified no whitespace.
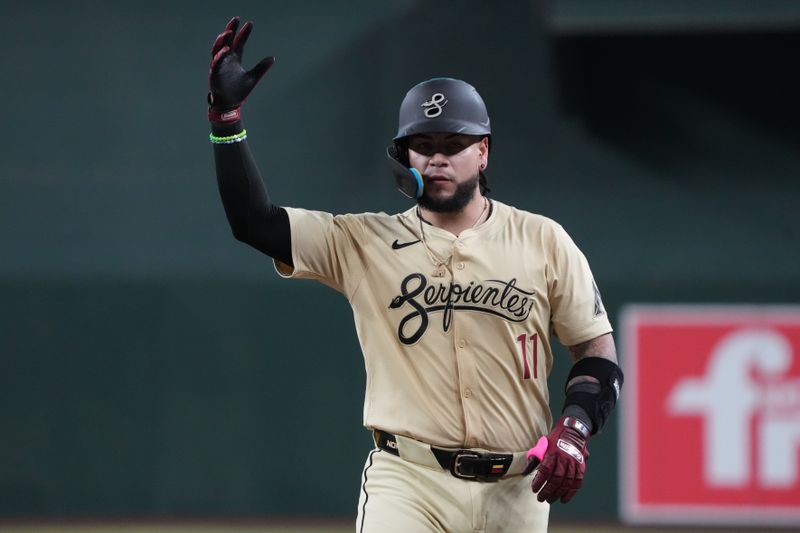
{"x":434,"y":106}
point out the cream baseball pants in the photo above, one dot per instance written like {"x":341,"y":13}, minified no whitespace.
{"x":399,"y":496}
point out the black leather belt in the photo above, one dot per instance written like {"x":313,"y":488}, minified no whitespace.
{"x":467,"y":464}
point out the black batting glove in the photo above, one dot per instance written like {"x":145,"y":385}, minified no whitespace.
{"x":229,"y":83}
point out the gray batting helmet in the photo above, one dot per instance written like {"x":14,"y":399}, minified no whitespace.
{"x":443,"y":105}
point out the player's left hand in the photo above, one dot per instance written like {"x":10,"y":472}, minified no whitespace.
{"x":229,"y":83}
{"x":560,"y":472}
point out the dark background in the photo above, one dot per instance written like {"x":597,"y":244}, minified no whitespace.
{"x":152,"y":366}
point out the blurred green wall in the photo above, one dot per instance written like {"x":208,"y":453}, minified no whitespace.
{"x":152,"y":366}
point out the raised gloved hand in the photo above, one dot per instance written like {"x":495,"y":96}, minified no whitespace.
{"x":558,"y":472}
{"x":228,"y":81}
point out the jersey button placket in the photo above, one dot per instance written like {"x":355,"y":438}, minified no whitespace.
{"x":466,"y":392}
{"x":457,"y":261}
{"x":466,"y":363}
{"x":468,"y":397}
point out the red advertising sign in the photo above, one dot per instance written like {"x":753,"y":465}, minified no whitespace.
{"x":710,"y":430}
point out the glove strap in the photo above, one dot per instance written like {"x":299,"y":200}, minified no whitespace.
{"x":577,"y":425}
{"x":225,"y":117}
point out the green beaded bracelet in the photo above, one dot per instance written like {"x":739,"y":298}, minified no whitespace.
{"x":228,"y":139}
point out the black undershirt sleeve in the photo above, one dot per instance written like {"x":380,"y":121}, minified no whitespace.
{"x":254,"y":219}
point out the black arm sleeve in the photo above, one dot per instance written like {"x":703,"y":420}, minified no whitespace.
{"x":253,"y":218}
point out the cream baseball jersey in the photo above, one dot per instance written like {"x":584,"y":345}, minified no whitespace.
{"x":456,"y":356}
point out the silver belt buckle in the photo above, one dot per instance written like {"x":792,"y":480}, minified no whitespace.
{"x":456,"y":470}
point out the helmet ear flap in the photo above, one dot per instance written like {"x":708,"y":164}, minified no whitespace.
{"x":409,"y":181}
{"x":401,"y":151}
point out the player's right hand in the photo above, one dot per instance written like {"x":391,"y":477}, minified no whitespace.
{"x":229,"y":83}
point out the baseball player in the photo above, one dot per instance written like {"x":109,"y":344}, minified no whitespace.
{"x":455,"y":300}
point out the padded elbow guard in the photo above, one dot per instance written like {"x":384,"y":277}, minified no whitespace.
{"x":598,"y":404}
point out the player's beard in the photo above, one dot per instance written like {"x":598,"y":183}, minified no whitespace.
{"x":455,"y":203}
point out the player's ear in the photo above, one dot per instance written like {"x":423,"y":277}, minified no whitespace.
{"x":483,"y":150}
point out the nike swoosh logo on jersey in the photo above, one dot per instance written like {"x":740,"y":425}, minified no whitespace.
{"x":397,"y":245}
